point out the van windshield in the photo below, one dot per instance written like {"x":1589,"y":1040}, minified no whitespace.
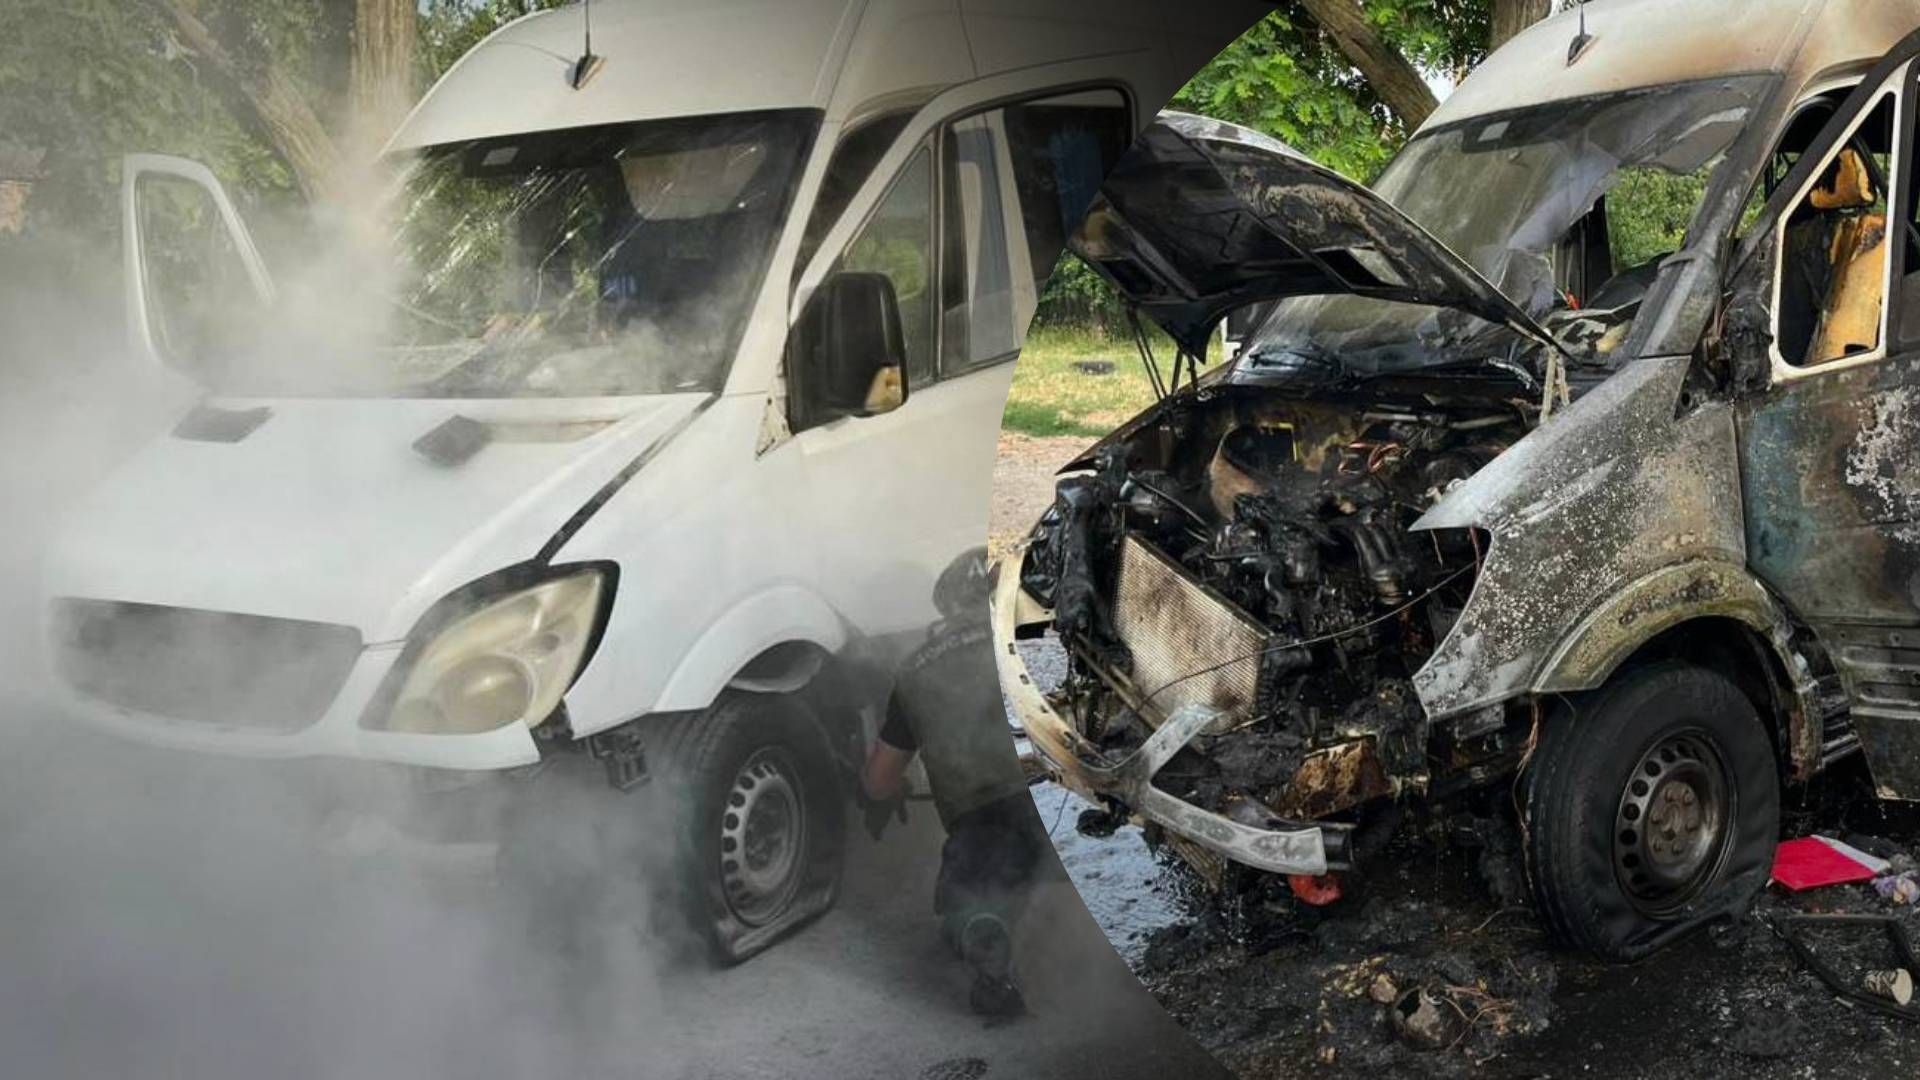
{"x":613,"y":260}
{"x":1567,"y":206}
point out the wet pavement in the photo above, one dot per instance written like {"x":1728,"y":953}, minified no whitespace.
{"x":1279,"y":989}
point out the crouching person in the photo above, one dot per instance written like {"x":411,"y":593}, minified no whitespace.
{"x":946,"y":708}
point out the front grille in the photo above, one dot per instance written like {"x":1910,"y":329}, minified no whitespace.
{"x":208,"y":667}
{"x":1177,"y":629}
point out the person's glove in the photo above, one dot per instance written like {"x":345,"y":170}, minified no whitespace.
{"x":880,"y":813}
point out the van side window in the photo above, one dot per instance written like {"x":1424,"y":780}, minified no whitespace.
{"x":1834,"y":254}
{"x":897,"y":241}
{"x":1014,"y":180}
{"x":853,"y":160}
{"x":977,"y":322}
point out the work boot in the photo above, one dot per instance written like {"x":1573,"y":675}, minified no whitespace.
{"x":987,"y":947}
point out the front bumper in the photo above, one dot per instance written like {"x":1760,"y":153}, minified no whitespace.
{"x":1281,"y":847}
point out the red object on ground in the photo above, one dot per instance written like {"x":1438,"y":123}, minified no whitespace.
{"x":1317,"y":891}
{"x":1813,"y":861}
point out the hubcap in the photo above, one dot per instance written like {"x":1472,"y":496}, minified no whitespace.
{"x":763,"y":832}
{"x":1671,"y":832}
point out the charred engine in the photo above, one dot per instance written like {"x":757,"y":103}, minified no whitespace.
{"x":1260,"y":559}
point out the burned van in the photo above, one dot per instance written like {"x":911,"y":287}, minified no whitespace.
{"x":1581,"y":454}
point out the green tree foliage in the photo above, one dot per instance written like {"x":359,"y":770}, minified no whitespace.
{"x":89,"y":81}
{"x":1286,"y":78}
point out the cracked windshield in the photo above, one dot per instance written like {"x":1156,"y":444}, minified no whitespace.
{"x":615,"y":260}
{"x":1568,"y":209}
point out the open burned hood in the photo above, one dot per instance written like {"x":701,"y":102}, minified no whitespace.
{"x":1201,"y":217}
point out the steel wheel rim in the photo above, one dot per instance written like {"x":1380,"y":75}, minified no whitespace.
{"x":763,"y":834}
{"x":1673,"y":825}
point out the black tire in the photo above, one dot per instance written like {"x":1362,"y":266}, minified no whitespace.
{"x":761,"y":824}
{"x":1652,"y":808}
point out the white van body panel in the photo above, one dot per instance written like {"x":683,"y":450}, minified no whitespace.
{"x":324,"y":512}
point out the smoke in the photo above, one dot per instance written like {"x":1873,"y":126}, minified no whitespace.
{"x":171,"y":914}
{"x":175,"y":914}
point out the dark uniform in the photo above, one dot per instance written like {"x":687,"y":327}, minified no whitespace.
{"x":946,"y":705}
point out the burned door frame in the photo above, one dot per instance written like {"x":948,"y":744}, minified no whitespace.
{"x":1830,"y":520}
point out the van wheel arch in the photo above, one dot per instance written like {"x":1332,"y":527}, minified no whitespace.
{"x":1733,"y":648}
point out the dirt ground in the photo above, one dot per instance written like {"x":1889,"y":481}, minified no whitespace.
{"x":1023,"y":483}
{"x":1275,"y":988}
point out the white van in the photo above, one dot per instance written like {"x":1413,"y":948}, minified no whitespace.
{"x":685,"y":389}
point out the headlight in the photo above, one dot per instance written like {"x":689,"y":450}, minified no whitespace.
{"x":508,"y":661}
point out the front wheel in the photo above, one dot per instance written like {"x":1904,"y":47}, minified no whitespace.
{"x":1652,"y":807}
{"x":761,"y":831}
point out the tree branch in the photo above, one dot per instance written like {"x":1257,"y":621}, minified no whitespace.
{"x":282,"y":109}
{"x":384,"y":32}
{"x":1391,"y":75}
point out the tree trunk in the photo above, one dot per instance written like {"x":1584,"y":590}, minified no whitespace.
{"x":1397,"y":82}
{"x":382,"y":81}
{"x":1512,"y":16}
{"x":282,"y":109}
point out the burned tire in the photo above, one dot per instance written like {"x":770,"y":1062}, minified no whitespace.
{"x":761,"y":829}
{"x":1652,"y":808}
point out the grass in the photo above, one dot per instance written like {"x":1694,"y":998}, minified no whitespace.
{"x":1051,"y":397}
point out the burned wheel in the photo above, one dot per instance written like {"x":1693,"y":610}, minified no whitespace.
{"x":1672,"y":827}
{"x":761,"y":819}
{"x":1652,"y":807}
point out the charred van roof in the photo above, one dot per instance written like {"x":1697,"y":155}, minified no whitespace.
{"x":1639,"y":43}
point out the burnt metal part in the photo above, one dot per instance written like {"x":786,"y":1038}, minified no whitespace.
{"x":1673,"y":827}
{"x":1274,"y":844}
{"x":1618,"y":521}
{"x":1335,"y":779}
{"x":1834,"y":509}
{"x":1276,"y":224}
{"x":1175,"y":629}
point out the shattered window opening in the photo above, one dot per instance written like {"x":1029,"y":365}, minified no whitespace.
{"x":1515,"y":196}
{"x":1834,"y":259}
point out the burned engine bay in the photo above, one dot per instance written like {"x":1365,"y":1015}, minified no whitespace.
{"x":1254,"y":552}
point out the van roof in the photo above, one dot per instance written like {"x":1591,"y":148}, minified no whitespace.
{"x":667,"y":58}
{"x":663,"y":58}
{"x":1639,"y":43}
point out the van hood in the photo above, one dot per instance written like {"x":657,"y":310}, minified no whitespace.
{"x":358,"y":512}
{"x":1202,"y":217}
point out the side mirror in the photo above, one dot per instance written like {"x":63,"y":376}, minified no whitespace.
{"x":847,"y":354}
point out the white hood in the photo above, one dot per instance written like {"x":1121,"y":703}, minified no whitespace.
{"x":327,"y":512}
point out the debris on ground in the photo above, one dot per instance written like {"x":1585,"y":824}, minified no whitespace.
{"x":1883,"y":990}
{"x":1813,"y":862}
{"x":1894,"y":984}
{"x":1430,"y":964}
{"x":1317,"y":890}
{"x":1898,"y":888}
